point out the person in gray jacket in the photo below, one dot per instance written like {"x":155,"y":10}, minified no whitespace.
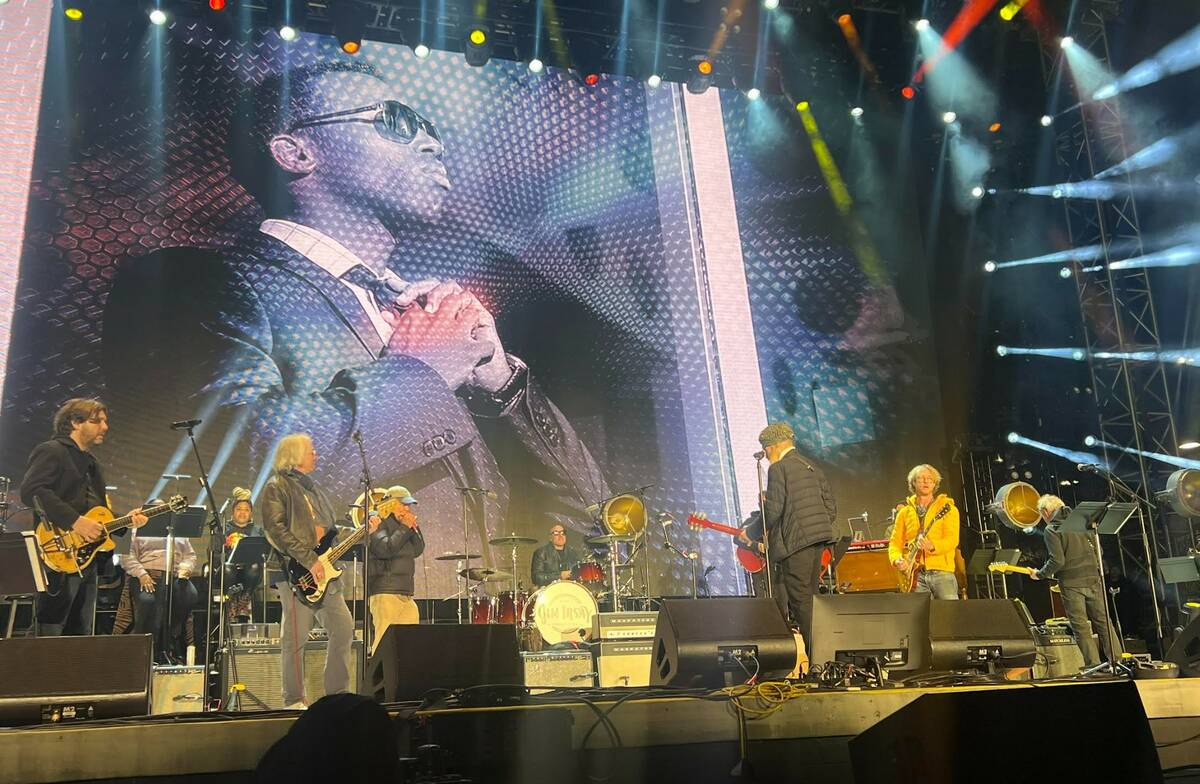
{"x":395,"y":546}
{"x":296,"y":514}
{"x":1072,"y":561}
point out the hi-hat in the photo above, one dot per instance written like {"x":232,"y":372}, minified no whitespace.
{"x":457,"y":557}
{"x":512,"y":540}
{"x":610,"y":538}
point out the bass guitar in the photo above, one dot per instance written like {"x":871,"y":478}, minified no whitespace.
{"x":304,"y":585}
{"x":1004,"y":568}
{"x":914,"y":555}
{"x":66,"y":551}
{"x":751,"y":561}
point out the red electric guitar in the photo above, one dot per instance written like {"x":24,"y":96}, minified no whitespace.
{"x":751,"y":561}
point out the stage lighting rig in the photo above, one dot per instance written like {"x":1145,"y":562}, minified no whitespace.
{"x":1183,"y":492}
{"x":349,"y":19}
{"x":289,"y":17}
{"x":477,"y":45}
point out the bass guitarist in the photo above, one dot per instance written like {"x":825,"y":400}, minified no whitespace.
{"x":63,"y":482}
{"x":296,"y":515}
{"x":925,"y":537}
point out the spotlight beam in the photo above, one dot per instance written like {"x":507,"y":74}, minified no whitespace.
{"x":1070,"y":455}
{"x":1174,"y":460}
{"x":1182,"y":54}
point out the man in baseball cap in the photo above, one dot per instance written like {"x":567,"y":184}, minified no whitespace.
{"x":395,"y":545}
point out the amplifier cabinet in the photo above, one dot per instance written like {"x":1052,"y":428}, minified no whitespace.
{"x":1058,"y":654}
{"x":558,"y":670}
{"x":177,"y":690}
{"x":258,"y":669}
{"x":624,"y":625}
{"x":624,"y":663}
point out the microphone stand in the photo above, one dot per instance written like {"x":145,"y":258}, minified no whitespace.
{"x":762,"y":515}
{"x":691,"y":557}
{"x":215,"y":532}
{"x":1115,"y":483}
{"x":369,"y":506}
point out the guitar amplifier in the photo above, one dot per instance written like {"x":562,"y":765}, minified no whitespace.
{"x":624,"y":663}
{"x":1058,"y":656}
{"x":256,"y":631}
{"x":177,"y":690}
{"x":558,"y":670}
{"x":624,"y":625}
{"x":258,"y":669}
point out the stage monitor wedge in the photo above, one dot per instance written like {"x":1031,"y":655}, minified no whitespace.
{"x":43,"y":680}
{"x":412,"y":662}
{"x":717,"y":642}
{"x":980,"y":634}
{"x":890,"y":627}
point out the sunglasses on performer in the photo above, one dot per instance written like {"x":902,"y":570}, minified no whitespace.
{"x":393,"y":120}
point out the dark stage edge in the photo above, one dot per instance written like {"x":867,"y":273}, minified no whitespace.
{"x":807,"y":737}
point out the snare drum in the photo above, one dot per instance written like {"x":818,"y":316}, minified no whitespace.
{"x":483,"y":609}
{"x":563,"y":611}
{"x":589,"y":573}
{"x":508,"y":609}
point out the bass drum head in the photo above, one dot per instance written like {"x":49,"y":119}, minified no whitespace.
{"x":564,"y":611}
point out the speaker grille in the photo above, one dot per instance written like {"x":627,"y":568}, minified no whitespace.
{"x":259,"y":670}
{"x":74,"y":666}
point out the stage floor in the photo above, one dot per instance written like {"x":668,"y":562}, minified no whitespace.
{"x":223,"y":747}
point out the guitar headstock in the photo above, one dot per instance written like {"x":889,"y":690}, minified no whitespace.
{"x":697,"y":519}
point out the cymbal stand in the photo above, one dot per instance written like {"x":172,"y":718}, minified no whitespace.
{"x":614,"y":555}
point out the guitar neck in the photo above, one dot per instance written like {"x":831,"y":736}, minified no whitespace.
{"x":725,"y":529}
{"x":126,"y":520}
{"x":336,"y":551}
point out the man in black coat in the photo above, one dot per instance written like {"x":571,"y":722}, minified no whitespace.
{"x":555,"y":559}
{"x":62,"y":483}
{"x":799,"y":514}
{"x":304,"y":325}
{"x":395,"y":545}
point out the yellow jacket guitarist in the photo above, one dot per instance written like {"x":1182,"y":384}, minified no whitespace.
{"x":942,"y":518}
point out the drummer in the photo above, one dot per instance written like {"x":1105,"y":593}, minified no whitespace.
{"x":555,"y":559}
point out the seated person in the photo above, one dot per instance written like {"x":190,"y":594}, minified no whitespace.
{"x":555,"y":559}
{"x":146,"y":562}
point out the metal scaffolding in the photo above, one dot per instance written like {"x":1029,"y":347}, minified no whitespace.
{"x":1132,"y":398}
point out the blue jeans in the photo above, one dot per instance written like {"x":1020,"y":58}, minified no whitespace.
{"x":943,"y":585}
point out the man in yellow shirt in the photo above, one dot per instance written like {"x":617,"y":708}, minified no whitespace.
{"x":925,"y":508}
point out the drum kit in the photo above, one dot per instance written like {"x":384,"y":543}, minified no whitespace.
{"x":564,"y":610}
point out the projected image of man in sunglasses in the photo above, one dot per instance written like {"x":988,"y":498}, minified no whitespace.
{"x":303,"y":324}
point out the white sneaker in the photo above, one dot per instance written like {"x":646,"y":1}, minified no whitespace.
{"x":296,"y":706}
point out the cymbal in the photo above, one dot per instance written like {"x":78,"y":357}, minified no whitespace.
{"x":457,"y":557}
{"x":482,"y":575}
{"x":610,"y":538}
{"x":512,"y":540}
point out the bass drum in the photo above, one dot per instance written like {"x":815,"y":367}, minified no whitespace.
{"x":1016,"y":505}
{"x":563,"y":611}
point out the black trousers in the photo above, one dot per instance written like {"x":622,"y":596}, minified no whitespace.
{"x":69,"y":604}
{"x":796,"y":579}
{"x":149,"y":615}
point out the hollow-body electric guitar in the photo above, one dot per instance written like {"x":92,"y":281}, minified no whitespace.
{"x":914,"y":555}
{"x":66,"y":551}
{"x":751,"y":561}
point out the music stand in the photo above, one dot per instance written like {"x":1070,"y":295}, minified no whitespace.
{"x":21,"y":570}
{"x":1182,"y":569}
{"x":984,"y":557}
{"x":188,"y":524}
{"x":1116,"y":516}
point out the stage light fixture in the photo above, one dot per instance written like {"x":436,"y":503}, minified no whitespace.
{"x":1056,"y":193}
{"x":1014,"y":437}
{"x":654,"y":81}
{"x":908,"y":92}
{"x":592,"y":79}
{"x":1066,"y":42}
{"x":921,"y":24}
{"x":770,"y":5}
{"x":289,"y":33}
{"x":478,"y":46}
{"x":74,"y":13}
{"x":288,"y":17}
{"x":217,"y":5}
{"x":158,"y":17}
{"x":1188,"y":445}
{"x":754,"y":93}
{"x":421,"y":51}
{"x":856,"y":112}
{"x":1047,"y":121}
{"x":1078,"y":355}
{"x":949,"y":117}
{"x":1089,"y":441}
{"x":1009,"y":12}
{"x":349,"y":18}
{"x":536,"y":65}
{"x":802,"y":106}
{"x":844,"y":19}
{"x":977,"y":192}
{"x":994,"y":128}
{"x":1183,"y":492}
{"x":1002,"y":351}
{"x":990,"y":266}
{"x":701,"y":76}
{"x":1064,"y":273}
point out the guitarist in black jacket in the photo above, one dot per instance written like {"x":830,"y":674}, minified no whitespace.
{"x":799,"y":514}
{"x":62,"y":483}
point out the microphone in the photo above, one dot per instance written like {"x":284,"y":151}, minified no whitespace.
{"x":224,"y":506}
{"x":760,"y":455}
{"x":665,"y":519}
{"x":489,"y":493}
{"x":185,"y":424}
{"x":357,"y":436}
{"x":1091,"y":467}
